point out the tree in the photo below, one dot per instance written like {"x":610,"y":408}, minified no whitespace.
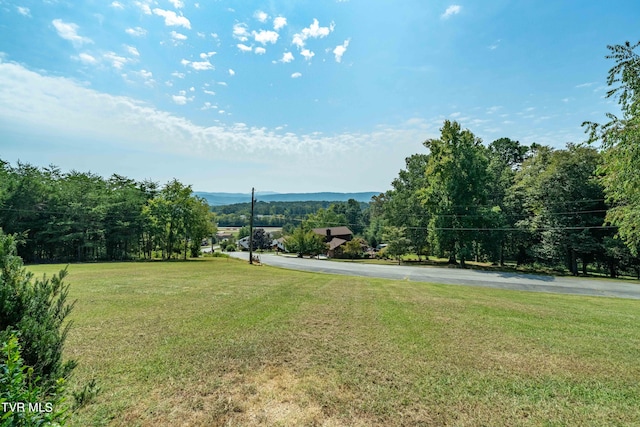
{"x":397,"y":242}
{"x":168,"y":214}
{"x":325,"y":218}
{"x":505,"y":158}
{"x":563,"y":205}
{"x":261,"y":239}
{"x":620,"y":139}
{"x":305,"y":242}
{"x":200,"y":224}
{"x":455,"y":190}
{"x":353,"y":248}
{"x":403,"y":207}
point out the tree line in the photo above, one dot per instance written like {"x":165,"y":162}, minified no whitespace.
{"x":273,"y":214}
{"x":80,"y":216}
{"x":570,"y":207}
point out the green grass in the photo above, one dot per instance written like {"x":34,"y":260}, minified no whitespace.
{"x":218,"y":342}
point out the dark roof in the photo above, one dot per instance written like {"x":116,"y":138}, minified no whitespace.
{"x":335,"y":231}
{"x":335,"y":242}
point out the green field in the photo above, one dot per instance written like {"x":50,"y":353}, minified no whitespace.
{"x":218,"y":342}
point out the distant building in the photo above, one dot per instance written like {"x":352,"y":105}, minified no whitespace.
{"x":335,"y":237}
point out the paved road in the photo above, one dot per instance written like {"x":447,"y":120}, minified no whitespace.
{"x":500,"y":280}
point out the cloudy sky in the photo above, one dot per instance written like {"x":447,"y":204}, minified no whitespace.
{"x":293,"y":96}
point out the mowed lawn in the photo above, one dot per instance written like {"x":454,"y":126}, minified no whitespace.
{"x":218,"y":342}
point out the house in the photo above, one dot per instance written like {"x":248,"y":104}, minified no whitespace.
{"x":335,"y":237}
{"x":243,"y":243}
{"x":278,"y":245}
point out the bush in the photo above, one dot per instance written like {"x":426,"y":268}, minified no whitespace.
{"x":34,"y":311}
{"x":18,"y":386}
{"x":219,"y":255}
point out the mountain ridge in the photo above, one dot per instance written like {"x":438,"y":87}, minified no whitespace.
{"x":221,"y":199}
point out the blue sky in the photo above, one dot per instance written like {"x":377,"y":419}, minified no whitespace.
{"x":293,"y":96}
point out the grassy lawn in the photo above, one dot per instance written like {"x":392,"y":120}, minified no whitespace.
{"x":218,"y":342}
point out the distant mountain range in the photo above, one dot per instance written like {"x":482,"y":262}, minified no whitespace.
{"x":220,"y":199}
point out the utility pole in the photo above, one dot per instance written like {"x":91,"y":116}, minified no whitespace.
{"x":251,"y":228}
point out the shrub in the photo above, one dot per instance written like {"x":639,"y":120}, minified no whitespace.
{"x":34,"y":310}
{"x":19,"y":387}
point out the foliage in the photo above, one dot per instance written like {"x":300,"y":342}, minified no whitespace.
{"x":18,"y":384}
{"x":397,"y":242}
{"x":564,"y":206}
{"x":78,"y":216}
{"x":325,"y":218}
{"x":261,"y":239}
{"x":455,"y":190}
{"x":35,"y":310}
{"x":403,"y":206}
{"x":86,"y":394}
{"x":353,"y":248}
{"x":620,"y":139}
{"x":305,"y":242}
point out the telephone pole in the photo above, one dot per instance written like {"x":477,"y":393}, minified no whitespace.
{"x":251,"y":228}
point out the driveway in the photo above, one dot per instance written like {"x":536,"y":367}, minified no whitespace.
{"x":453,"y":276}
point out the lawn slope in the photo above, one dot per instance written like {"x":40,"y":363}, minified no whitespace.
{"x":218,"y":342}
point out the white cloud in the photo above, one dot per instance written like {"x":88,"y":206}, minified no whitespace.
{"x":340,"y":50}
{"x":244,"y":47}
{"x":117,"y":5}
{"x":137,"y":31}
{"x":314,"y":31}
{"x":240,"y":32}
{"x":231,"y":72}
{"x":198,"y":66}
{"x":585,"y":84}
{"x":178,"y":36}
{"x":147,"y":76}
{"x":116,"y":60}
{"x":29,"y":100}
{"x":132,"y":50}
{"x":265,"y":36}
{"x":179,"y":99}
{"x":222,"y":83}
{"x":178,"y":4}
{"x":205,"y":55}
{"x":261,"y":16}
{"x":24,"y":11}
{"x":287,"y":57}
{"x":87,"y":59}
{"x":296,"y":75}
{"x":307,"y":54}
{"x":454,"y":9}
{"x":209,"y":92}
{"x":171,"y":19}
{"x":260,"y":51}
{"x":144,"y":6}
{"x":69,"y":31}
{"x":178,"y":75}
{"x":279,"y":22}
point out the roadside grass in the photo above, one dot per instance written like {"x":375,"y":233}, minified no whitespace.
{"x":218,"y":342}
{"x":509,"y":267}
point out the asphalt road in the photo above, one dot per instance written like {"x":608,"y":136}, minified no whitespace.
{"x":499,"y":280}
